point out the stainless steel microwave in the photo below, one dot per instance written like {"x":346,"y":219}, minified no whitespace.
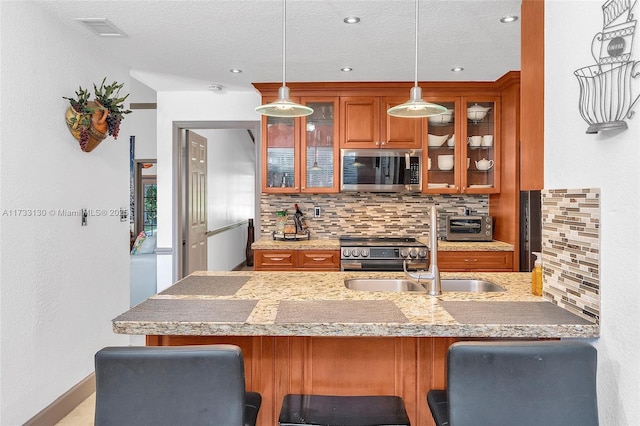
{"x":469,"y":228}
{"x":381,"y":170}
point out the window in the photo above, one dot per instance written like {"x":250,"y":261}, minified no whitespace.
{"x":149,"y":205}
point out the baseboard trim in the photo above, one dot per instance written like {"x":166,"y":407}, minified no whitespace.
{"x":240,"y":267}
{"x":65,"y":403}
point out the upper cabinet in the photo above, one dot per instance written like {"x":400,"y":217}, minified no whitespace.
{"x":463,"y":151}
{"x":364,"y":123}
{"x":280,"y":153}
{"x":481,"y":172}
{"x":320,"y":146}
{"x":301,"y":154}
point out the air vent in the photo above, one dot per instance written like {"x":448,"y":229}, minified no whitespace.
{"x":102,"y":27}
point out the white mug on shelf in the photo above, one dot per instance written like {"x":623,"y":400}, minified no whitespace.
{"x":452,"y":141}
{"x":487,"y":140}
{"x":474,"y":140}
{"x":429,"y":163}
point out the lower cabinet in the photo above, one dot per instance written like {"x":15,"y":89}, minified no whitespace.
{"x":478,"y":261}
{"x":296,"y":260}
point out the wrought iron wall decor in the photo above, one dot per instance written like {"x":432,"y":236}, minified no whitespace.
{"x":607,"y":91}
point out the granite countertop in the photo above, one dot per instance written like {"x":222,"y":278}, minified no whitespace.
{"x":246,"y":303}
{"x":268,"y":243}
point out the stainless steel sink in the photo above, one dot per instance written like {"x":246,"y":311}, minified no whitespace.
{"x":403,"y":285}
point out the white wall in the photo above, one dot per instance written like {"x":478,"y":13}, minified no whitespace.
{"x":142,"y":122}
{"x":609,"y":161}
{"x":188,"y":106}
{"x":231,"y":173}
{"x":60,"y":283}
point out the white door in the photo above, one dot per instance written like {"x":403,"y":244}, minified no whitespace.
{"x":196,"y":204}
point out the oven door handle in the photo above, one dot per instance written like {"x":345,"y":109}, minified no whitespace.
{"x":371,"y":266}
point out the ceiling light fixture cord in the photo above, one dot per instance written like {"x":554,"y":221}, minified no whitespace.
{"x":416,"y":107}
{"x":284,"y":40}
{"x":416,"y":72}
{"x":283,"y":106}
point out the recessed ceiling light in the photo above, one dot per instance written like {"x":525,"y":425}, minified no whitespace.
{"x":235,"y":70}
{"x":351,"y":20}
{"x":509,"y":18}
{"x":346,"y":69}
{"x":457,"y":69}
{"x":102,"y":27}
{"x":216,"y":87}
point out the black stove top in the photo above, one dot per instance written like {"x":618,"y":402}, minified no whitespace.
{"x":377,"y":241}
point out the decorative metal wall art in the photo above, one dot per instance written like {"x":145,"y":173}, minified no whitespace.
{"x":607,"y":91}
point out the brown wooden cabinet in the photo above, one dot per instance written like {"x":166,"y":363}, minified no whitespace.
{"x":297,"y":260}
{"x":468,"y":161}
{"x":323,"y":260}
{"x":275,"y":260}
{"x":275,"y":366}
{"x":364,"y":123}
{"x":301,"y":154}
{"x":477,"y":261}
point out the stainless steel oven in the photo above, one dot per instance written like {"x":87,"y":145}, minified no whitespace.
{"x":380,"y":253}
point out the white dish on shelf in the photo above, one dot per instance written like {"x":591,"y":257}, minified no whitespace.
{"x":480,"y":186}
{"x":437,"y":185}
{"x":442,"y":119}
{"x":436,"y":140}
{"x":477,"y":112}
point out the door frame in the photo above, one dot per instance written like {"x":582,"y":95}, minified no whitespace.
{"x":178,"y":180}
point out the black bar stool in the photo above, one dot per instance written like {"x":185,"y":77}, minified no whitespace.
{"x":328,"y":410}
{"x":530,"y":383}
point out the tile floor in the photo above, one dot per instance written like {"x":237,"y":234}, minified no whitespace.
{"x":82,"y":415}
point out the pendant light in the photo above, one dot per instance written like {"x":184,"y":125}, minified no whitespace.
{"x":283,"y":106}
{"x":416,"y":107}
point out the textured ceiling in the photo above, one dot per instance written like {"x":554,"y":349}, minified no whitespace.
{"x":188,"y":45}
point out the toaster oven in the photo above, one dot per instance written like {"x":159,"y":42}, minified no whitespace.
{"x":469,"y":228}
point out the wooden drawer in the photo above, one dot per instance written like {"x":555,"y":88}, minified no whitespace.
{"x":275,"y":260}
{"x":327,"y":260}
{"x":489,"y":261}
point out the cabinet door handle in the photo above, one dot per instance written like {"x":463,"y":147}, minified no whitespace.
{"x":471,"y":260}
{"x":318,"y":259}
{"x":277,"y":259}
{"x":383,"y":143}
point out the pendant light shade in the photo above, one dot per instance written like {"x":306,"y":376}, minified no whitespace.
{"x":416,"y":107}
{"x":283,"y":106}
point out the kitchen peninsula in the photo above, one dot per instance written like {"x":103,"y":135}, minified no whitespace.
{"x":305,"y":332}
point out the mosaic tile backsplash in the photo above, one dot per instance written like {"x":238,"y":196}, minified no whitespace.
{"x":369,"y":214}
{"x":571,"y":250}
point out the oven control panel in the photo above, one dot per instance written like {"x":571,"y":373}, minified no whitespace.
{"x":384,"y":252}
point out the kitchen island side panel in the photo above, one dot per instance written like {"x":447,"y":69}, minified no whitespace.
{"x":276,"y":366}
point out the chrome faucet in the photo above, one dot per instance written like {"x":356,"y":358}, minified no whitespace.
{"x":433,"y":274}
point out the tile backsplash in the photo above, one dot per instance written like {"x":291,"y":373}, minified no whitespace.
{"x":370,"y":214}
{"x":571,"y":250}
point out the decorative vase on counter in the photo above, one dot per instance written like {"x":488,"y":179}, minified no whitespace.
{"x":250,"y":238}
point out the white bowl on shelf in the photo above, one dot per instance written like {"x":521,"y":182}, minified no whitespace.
{"x":442,"y":119}
{"x":477,"y":112}
{"x":445,"y":162}
{"x":435,"y":140}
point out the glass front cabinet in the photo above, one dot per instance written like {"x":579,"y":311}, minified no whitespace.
{"x":461,"y":149}
{"x":482,"y":168}
{"x":301,"y":154}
